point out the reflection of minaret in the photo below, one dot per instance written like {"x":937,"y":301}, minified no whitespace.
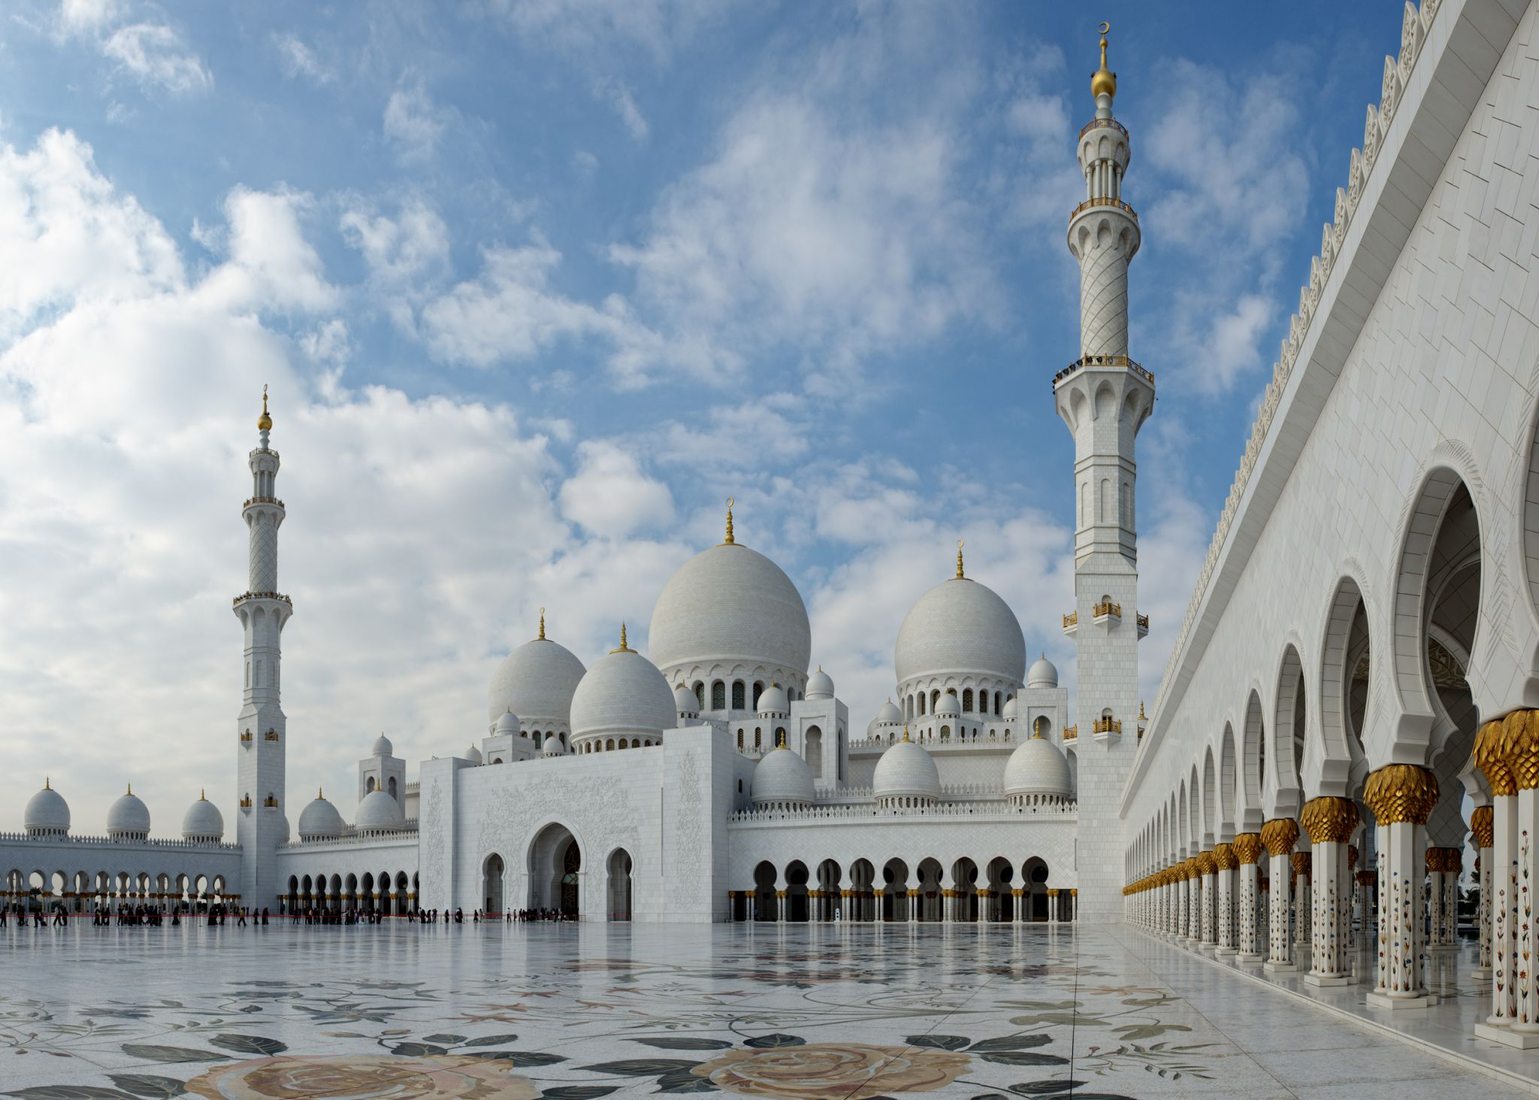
{"x":262,"y":611}
{"x":1104,"y":397}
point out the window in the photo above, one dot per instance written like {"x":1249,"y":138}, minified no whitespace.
{"x":967,"y":700}
{"x":718,"y":696}
{"x":738,"y":701}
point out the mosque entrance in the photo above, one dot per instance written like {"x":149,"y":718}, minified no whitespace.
{"x":491,"y":883}
{"x":620,"y":885}
{"x":555,"y":871}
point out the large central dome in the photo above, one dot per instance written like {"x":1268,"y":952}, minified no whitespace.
{"x":961,"y":627}
{"x":726,"y":606}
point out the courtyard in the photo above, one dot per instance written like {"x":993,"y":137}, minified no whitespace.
{"x":574,"y":1011}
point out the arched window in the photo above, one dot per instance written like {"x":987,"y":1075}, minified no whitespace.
{"x":738,"y":702}
{"x":921,"y":706}
{"x":700,"y":693}
{"x":368,"y":787}
{"x":740,"y":740}
{"x":392,"y":788}
{"x":934,"y":698}
{"x":718,"y":695}
{"x":758,"y":690}
{"x":967,"y":701}
{"x":758,"y":739}
{"x":997,"y":709}
{"x":945,"y":733}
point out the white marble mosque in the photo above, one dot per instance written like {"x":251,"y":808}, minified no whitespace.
{"x":1347,"y":731}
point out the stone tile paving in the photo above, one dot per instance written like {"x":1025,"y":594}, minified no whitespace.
{"x":569,"y":1012}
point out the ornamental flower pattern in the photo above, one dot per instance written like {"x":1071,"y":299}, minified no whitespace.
{"x":363,"y":1077}
{"x":857,"y":1071}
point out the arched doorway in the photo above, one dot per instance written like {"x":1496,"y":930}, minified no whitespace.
{"x":1001,"y":891}
{"x":1034,"y":897}
{"x":620,"y":885}
{"x":555,"y":870}
{"x":796,"y":891}
{"x":764,"y":892}
{"x":491,"y":883}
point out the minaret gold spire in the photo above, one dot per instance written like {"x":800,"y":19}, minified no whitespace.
{"x":202,"y":794}
{"x":542,"y":624}
{"x":729,"y":539}
{"x":265,"y":423}
{"x":1103,"y":81}
{"x":960,"y":574}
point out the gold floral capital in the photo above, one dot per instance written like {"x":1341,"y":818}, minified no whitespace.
{"x":1300,"y":861}
{"x":1223,"y":855}
{"x":1401,"y":794}
{"x":1483,"y":825}
{"x":1206,"y":864}
{"x":1520,"y":748}
{"x":1489,"y":759}
{"x":1247,"y":847}
{"x":1328,"y":819}
{"x":1280,"y":835}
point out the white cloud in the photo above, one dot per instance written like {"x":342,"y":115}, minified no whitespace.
{"x":299,"y":61}
{"x":413,"y":121}
{"x":153,"y":53}
{"x":610,"y":496}
{"x":618,"y":96}
{"x":402,"y":248}
{"x":270,"y":266}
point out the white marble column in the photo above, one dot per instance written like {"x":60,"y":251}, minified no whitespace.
{"x":1207,"y":887}
{"x":1183,"y":893}
{"x":1247,"y":849}
{"x":1279,"y":836}
{"x":1401,"y":796}
{"x":1329,"y":821}
{"x":1225,"y":863}
{"x":1302,"y":930}
{"x":1481,"y":827}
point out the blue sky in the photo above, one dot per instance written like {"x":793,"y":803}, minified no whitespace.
{"x":537,"y":284}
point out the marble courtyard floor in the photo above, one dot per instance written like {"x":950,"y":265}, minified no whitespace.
{"x":568,"y":1012}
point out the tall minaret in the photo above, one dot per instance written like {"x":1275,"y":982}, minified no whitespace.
{"x":1104,"y":397}
{"x":262,"y":611}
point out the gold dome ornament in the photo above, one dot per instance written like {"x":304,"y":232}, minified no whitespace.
{"x":265,"y":422}
{"x":1103,"y":81}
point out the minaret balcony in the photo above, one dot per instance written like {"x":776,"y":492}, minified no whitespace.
{"x":1106,"y":727}
{"x":1103,"y":123}
{"x":246,"y":739}
{"x":1071,"y":623}
{"x":262,"y":500}
{"x":1071,"y":733}
{"x":244,"y":596}
{"x":1105,"y":611}
{"x":1143,"y":626}
{"x":1115,"y":361}
{"x":1102,"y":201}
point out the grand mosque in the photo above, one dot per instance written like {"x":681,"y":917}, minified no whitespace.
{"x":1346,"y":734}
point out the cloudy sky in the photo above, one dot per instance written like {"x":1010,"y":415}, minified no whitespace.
{"x":537,"y":283}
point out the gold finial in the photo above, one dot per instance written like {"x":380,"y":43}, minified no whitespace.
{"x":624,"y":647}
{"x":542,"y":624}
{"x":729,"y":539}
{"x":1103,"y":81}
{"x":780,"y":740}
{"x":320,"y":792}
{"x":905,"y":731}
{"x":265,"y":424}
{"x":1142,"y":717}
{"x":202,"y":794}
{"x":130,"y":788}
{"x":960,"y":574}
{"x":46,"y":782}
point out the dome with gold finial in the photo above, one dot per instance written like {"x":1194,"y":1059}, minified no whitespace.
{"x":1103,"y":81}
{"x":47,"y":814}
{"x":265,"y":422}
{"x":203,"y":822}
{"x":622,"y":696}
{"x":536,"y":682}
{"x":961,"y":628}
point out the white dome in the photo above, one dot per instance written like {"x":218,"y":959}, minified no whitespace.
{"x":730,"y":604}
{"x":772,"y":700}
{"x":552,"y":746}
{"x":1038,"y":767}
{"x":203,"y":821}
{"x":1042,"y":674}
{"x":536,"y":682}
{"x":473,"y":754}
{"x":906,"y":770}
{"x":887,"y":714}
{"x":283,"y":835}
{"x":623,"y":694}
{"x":508,"y":723}
{"x":379,"y":811}
{"x":320,"y":820}
{"x":820,"y":685}
{"x":685,"y":703}
{"x":782,"y":776}
{"x":960,"y":627}
{"x":47,"y":813}
{"x":1010,"y":708}
{"x":948,"y":704}
{"x":382,"y":747}
{"x":128,"y":817}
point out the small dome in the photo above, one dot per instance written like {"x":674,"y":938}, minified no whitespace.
{"x":906,"y":770}
{"x":552,"y":746}
{"x":129,"y":818}
{"x":1010,"y":709}
{"x":508,"y":723}
{"x":685,"y":703}
{"x":379,"y":811}
{"x":772,"y":700}
{"x":284,"y":834}
{"x":536,"y":682}
{"x":782,"y":776}
{"x":887,"y":714}
{"x":382,"y":747}
{"x":320,"y":820}
{"x":47,"y":814}
{"x":948,"y":705}
{"x":960,"y":628}
{"x":820,"y":685}
{"x":622,"y":694}
{"x":1042,"y":674}
{"x":1038,"y":767}
{"x":203,"y":821}
{"x":473,"y":754}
